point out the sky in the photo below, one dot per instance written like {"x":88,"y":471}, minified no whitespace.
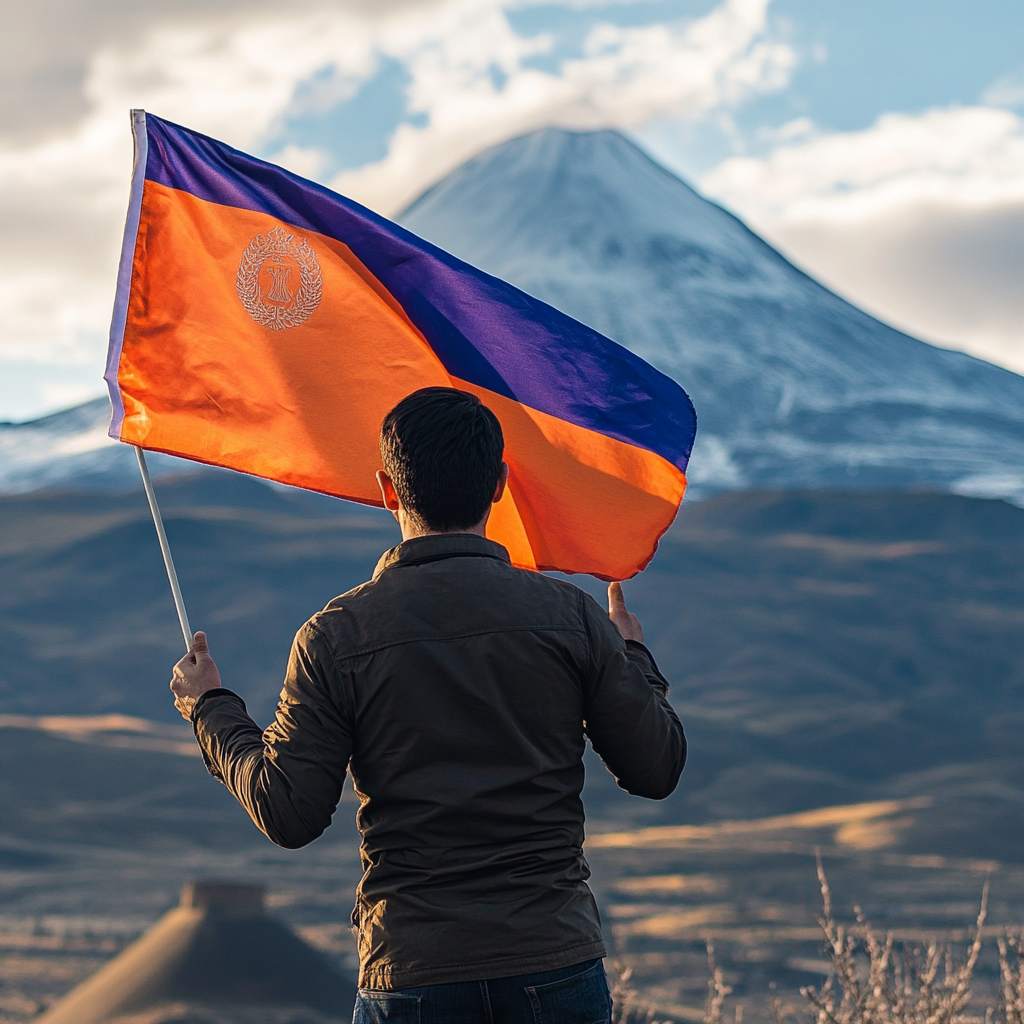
{"x":879,"y":145}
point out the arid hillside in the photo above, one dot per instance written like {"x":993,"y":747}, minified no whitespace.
{"x":847,"y":664}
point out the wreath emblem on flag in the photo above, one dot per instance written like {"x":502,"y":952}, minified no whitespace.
{"x":279,"y":280}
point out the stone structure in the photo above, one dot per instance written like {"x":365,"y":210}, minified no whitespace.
{"x":218,"y":958}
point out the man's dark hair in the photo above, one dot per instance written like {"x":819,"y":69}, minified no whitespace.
{"x":442,"y":449}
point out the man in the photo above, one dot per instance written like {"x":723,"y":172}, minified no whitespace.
{"x":458,"y":692}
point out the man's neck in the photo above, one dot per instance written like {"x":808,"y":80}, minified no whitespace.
{"x":412,"y":527}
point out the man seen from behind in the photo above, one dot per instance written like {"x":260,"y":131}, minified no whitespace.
{"x":458,"y":692}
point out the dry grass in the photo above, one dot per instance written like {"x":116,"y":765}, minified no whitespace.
{"x":1010,"y":1006}
{"x":718,"y":992}
{"x":874,"y":979}
{"x":631,"y":1008}
{"x":628,"y":1005}
{"x":875,"y":982}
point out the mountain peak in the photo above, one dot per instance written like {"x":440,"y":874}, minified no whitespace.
{"x":793,"y":385}
{"x":552,"y":186}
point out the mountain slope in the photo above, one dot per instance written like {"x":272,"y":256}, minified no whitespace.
{"x":85,"y":614}
{"x":793,"y":386}
{"x":72,"y":448}
{"x":824,"y":646}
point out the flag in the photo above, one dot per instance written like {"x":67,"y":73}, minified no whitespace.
{"x":267,"y":324}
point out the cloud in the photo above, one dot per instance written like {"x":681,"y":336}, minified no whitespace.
{"x":238,"y":72}
{"x":47,"y":47}
{"x":918,"y":218}
{"x":624,"y":78}
{"x":63,"y":195}
{"x":1007,"y":91}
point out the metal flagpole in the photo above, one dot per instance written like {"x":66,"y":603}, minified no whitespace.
{"x":165,"y":549}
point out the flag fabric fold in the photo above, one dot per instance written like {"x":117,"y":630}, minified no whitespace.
{"x":266,"y":324}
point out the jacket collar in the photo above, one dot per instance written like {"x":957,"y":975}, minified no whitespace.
{"x":444,"y":545}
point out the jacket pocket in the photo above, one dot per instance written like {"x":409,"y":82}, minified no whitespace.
{"x":373,"y":1007}
{"x":580,"y":999}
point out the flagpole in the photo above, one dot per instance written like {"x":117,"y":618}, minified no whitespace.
{"x":165,"y":549}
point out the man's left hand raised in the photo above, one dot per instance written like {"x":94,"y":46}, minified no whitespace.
{"x":193,"y":676}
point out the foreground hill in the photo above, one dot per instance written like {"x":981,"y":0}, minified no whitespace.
{"x":825,"y":647}
{"x":95,"y":839}
{"x":836,"y":647}
{"x":86,"y":608}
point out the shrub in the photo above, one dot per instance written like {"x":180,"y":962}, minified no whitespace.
{"x":874,"y":982}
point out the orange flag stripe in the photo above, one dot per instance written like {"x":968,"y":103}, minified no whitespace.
{"x":250,"y":399}
{"x":574,"y":492}
{"x":244,"y":396}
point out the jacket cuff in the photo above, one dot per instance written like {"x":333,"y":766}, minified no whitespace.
{"x":217,"y":691}
{"x":634,"y":647}
{"x":634,"y":644}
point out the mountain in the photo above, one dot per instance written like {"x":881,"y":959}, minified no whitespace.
{"x":72,"y":448}
{"x":216,"y":956}
{"x":793,"y":386}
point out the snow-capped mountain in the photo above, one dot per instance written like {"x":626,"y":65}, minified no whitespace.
{"x":793,"y":386}
{"x":72,"y":449}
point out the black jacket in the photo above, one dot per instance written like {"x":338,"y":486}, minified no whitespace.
{"x":457,"y":691}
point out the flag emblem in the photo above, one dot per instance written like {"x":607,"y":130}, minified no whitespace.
{"x":279,"y":280}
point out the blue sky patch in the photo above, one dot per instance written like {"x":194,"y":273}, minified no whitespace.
{"x":352,"y":131}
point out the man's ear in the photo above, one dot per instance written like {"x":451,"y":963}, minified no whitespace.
{"x":387,"y":491}
{"x":502,"y":481}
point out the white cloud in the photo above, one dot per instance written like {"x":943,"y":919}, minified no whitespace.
{"x":798,"y":128}
{"x":227,"y":80}
{"x":917,"y":218}
{"x":969,"y":156}
{"x":62,"y":395}
{"x":304,"y":160}
{"x":626,"y":77}
{"x":48,"y":47}
{"x":1007,"y":91}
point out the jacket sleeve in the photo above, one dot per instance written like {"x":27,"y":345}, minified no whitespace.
{"x":627,"y":715}
{"x":289,"y":777}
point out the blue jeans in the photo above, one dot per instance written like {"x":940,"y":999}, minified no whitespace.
{"x":570,"y":995}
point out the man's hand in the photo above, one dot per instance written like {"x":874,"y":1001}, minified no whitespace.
{"x":625,"y":621}
{"x":193,"y":676}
